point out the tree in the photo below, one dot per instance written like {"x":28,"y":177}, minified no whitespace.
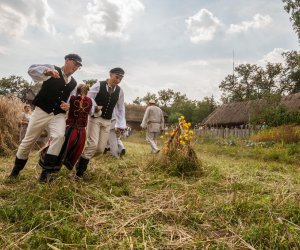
{"x":292,"y":72}
{"x":203,"y":109}
{"x":138,"y":100}
{"x":293,"y":8}
{"x":14,"y":85}
{"x":166,"y":97}
{"x":90,"y":82}
{"x":149,"y":97}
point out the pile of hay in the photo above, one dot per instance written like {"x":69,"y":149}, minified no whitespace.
{"x":10,"y":112}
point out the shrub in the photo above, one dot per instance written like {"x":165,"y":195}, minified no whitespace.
{"x":286,"y":133}
{"x":276,"y":116}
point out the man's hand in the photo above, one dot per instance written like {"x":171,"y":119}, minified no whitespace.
{"x":98,"y":108}
{"x":119,"y":131}
{"x":64,"y":106}
{"x":52,"y":72}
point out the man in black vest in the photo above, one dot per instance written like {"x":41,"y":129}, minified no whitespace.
{"x":50,"y":112}
{"x":109,"y":97}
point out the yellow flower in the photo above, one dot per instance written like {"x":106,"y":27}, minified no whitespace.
{"x":162,"y":137}
{"x":191,"y":132}
{"x":182,"y":117}
{"x":166,"y":133}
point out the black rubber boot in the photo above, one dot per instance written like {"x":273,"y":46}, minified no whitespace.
{"x":49,"y":166}
{"x":81,"y":167}
{"x":19,"y":165}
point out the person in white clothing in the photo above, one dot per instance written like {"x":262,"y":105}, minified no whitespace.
{"x":114,"y":143}
{"x":51,"y":104}
{"x":153,"y":121}
{"x":109,"y":98}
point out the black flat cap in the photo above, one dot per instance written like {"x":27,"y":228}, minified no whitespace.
{"x":118,"y":71}
{"x":74,"y":57}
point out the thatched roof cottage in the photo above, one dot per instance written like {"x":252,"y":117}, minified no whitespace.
{"x":239,"y":113}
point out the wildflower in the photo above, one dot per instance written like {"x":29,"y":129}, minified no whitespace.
{"x":161,"y":137}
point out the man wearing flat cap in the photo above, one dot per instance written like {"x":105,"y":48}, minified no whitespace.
{"x":51,"y":104}
{"x":109,"y":98}
{"x":153,"y":121}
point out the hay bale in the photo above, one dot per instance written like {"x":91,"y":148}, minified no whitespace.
{"x":10,"y":111}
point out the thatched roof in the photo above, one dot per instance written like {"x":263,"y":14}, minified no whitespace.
{"x":237,"y":113}
{"x":291,"y":102}
{"x":135,"y":113}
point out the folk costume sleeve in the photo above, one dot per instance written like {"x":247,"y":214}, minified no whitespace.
{"x":120,"y":111}
{"x":36,"y":72}
{"x":145,"y":118}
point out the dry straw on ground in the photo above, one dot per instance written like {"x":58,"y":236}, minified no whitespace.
{"x":10,"y":111}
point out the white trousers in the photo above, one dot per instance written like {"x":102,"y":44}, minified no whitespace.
{"x":115,"y":144}
{"x":151,"y":138}
{"x":97,"y":136}
{"x":39,"y":121}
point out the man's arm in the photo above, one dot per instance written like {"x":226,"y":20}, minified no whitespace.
{"x":94,"y":90}
{"x":162,"y":121}
{"x":145,"y":118}
{"x":42,"y":72}
{"x":120,"y":112}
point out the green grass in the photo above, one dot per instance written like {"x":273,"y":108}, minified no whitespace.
{"x":246,"y":198}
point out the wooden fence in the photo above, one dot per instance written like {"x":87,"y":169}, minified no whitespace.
{"x":226,"y":132}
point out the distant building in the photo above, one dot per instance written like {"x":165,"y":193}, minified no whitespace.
{"x":240,"y":113}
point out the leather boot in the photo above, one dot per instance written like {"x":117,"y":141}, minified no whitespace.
{"x":49,"y":166}
{"x":81,"y":167}
{"x":19,"y":165}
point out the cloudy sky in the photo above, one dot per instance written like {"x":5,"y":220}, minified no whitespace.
{"x":183,"y":45}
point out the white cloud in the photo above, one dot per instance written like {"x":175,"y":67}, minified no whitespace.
{"x":202,"y":26}
{"x":259,"y":21}
{"x":3,"y":50}
{"x":108,"y":18}
{"x":17,"y":16}
{"x":273,"y":57}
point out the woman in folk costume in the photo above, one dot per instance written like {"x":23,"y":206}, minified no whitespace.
{"x":80,"y":107}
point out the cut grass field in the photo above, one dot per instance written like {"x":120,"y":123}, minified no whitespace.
{"x":246,"y":199}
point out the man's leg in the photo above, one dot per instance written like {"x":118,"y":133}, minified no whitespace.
{"x":57,"y":127}
{"x":93,"y":131}
{"x":121,"y":146}
{"x":113,"y":143}
{"x":150,"y":137}
{"x":103,"y":135}
{"x":37,"y":123}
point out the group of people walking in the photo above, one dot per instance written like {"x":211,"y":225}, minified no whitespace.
{"x":95,"y":119}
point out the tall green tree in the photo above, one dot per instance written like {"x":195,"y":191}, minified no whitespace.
{"x":291,"y":72}
{"x":90,"y":82}
{"x":293,"y":8}
{"x":14,"y":85}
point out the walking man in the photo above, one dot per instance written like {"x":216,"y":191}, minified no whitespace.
{"x":50,"y":111}
{"x":109,"y":98}
{"x":154,"y":122}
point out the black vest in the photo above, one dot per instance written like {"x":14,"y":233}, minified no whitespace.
{"x":106,"y":100}
{"x":53,"y":91}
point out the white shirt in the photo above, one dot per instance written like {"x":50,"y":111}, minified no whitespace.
{"x":119,"y":110}
{"x":36,"y":72}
